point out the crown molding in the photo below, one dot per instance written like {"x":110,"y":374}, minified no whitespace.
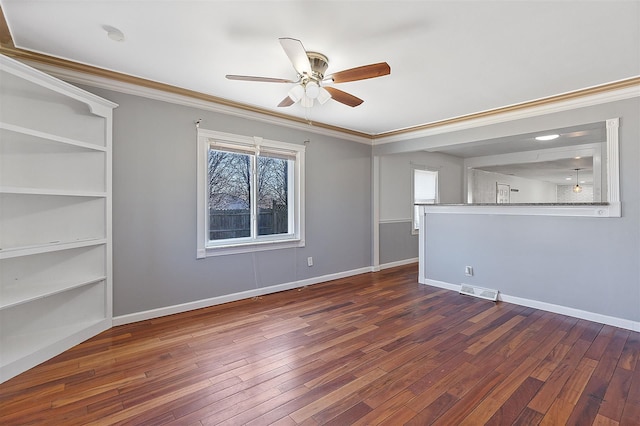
{"x":111,"y":80}
{"x":106,"y":79}
{"x":611,"y":92}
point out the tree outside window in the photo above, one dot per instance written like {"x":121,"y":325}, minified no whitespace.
{"x":231,"y":179}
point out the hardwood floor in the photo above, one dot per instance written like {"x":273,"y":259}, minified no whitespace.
{"x":371,"y":349}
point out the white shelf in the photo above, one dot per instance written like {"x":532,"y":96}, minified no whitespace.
{"x":7,"y":127}
{"x":17,"y":346}
{"x":50,"y":166}
{"x":11,"y":252}
{"x":24,"y":357}
{"x":55,"y":216}
{"x":41,"y":191}
{"x":18,"y":295}
{"x":45,"y":108}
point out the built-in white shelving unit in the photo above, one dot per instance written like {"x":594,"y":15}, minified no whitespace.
{"x":55,"y":216}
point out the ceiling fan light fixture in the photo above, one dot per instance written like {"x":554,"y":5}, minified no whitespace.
{"x":323,"y":96}
{"x":312,"y":89}
{"x":296,"y":93}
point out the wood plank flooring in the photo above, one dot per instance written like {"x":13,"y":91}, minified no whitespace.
{"x":371,"y":349}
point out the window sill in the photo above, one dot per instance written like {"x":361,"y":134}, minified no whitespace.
{"x":222,"y":250}
{"x":550,"y":209}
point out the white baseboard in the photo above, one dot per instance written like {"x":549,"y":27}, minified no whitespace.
{"x":204,"y":303}
{"x":572,"y":312}
{"x":549,"y":307}
{"x":439,"y":284}
{"x":398,"y":263}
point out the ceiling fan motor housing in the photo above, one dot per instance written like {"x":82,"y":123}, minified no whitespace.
{"x":319,"y":64}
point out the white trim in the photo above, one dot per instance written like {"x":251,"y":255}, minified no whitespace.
{"x":572,"y":312}
{"x":401,"y":220}
{"x":399,"y":263}
{"x":610,"y":210}
{"x":422,"y":244}
{"x":160,"y":95}
{"x":98,"y":105}
{"x":549,"y":307}
{"x":375,"y":213}
{"x":439,"y":284}
{"x":613,"y":161}
{"x":204,"y":303}
{"x":527,"y":112}
{"x":248,"y":247}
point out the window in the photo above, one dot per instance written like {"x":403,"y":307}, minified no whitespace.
{"x":250,"y":194}
{"x":425,"y":190}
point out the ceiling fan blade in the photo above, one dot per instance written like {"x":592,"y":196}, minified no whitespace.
{"x":297,"y":55}
{"x":344,"y":97}
{"x":286,"y":102}
{"x":361,"y":73}
{"x":261,"y":79}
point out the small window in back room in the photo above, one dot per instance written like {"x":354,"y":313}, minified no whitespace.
{"x":425,"y":190}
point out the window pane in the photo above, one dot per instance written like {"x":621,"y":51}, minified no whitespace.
{"x":425,"y":186}
{"x":273,"y":195}
{"x":229,"y":175}
{"x":425,"y":190}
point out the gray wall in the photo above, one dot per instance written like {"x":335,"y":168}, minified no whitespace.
{"x":526,"y":256}
{"x":484,"y":186}
{"x":591,"y":264}
{"x":397,"y":243}
{"x":154,"y":208}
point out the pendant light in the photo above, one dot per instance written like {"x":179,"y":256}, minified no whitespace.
{"x":577,"y":188}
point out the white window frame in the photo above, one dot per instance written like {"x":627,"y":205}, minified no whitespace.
{"x":252,"y":145}
{"x":415,"y":211}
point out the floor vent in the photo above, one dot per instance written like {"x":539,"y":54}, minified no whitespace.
{"x":483,"y":293}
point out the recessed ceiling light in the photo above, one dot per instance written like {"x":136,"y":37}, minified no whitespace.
{"x":577,"y":158}
{"x":113,"y":33}
{"x":547,"y":137}
{"x":568,"y":178}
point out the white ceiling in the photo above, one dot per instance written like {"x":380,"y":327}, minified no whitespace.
{"x":447,"y":58}
{"x":567,"y":136}
{"x":559,"y":171}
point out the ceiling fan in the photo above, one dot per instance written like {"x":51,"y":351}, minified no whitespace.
{"x":310,"y":82}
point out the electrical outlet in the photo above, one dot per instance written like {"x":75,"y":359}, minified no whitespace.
{"x":309,"y":261}
{"x":468,"y":271}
